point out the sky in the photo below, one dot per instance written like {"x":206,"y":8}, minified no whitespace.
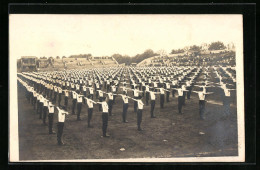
{"x":104,"y":35}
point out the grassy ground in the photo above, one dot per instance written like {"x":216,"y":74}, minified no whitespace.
{"x":168,"y":135}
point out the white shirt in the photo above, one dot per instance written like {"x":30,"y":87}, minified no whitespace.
{"x":140,"y":104}
{"x":152,"y":95}
{"x":180,"y":92}
{"x":77,"y":86}
{"x":168,"y":86}
{"x":136,"y":93}
{"x":105,"y":107}
{"x":161,"y":90}
{"x":74,"y":95}
{"x":84,"y":88}
{"x":66,"y":93}
{"x":227,"y":92}
{"x":51,"y":109}
{"x":60,"y":90}
{"x":38,"y":96}
{"x":55,"y":88}
{"x":113,"y":88}
{"x":91,"y":90}
{"x":100,"y":94}
{"x":61,"y":115}
{"x":201,"y":96}
{"x":183,"y":87}
{"x":125,"y":98}
{"x":124,"y":88}
{"x":79,"y":98}
{"x":45,"y":102}
{"x":90,"y":103}
{"x":146,"y":88}
{"x":110,"y":96}
{"x":41,"y":98}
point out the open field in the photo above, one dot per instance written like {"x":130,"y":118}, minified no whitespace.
{"x":168,"y":135}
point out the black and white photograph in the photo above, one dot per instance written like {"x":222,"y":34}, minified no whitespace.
{"x":126,"y":88}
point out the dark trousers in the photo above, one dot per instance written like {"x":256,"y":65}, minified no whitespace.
{"x":110,"y":106}
{"x":152,"y":107}
{"x":31,"y":97}
{"x":114,"y":99}
{"x":125,"y":107}
{"x":40,"y":109}
{"x":59,"y":100}
{"x":135,"y":105}
{"x":90,"y":112}
{"x":226,"y":103}
{"x":202,"y":108}
{"x":66,"y":102}
{"x":97,"y":93}
{"x":38,"y":106}
{"x":34,"y":103}
{"x":55,"y":97}
{"x":100,"y":106}
{"x":167,"y":96}
{"x":184,"y":95}
{"x":139,"y":118}
{"x":189,"y":92}
{"x":104,"y":123}
{"x":79,"y":105}
{"x":147,"y":95}
{"x":50,"y":120}
{"x":73,"y":105}
{"x":173,"y":93}
{"x":85,"y":95}
{"x":60,"y":126}
{"x":51,"y":94}
{"x":180,"y":103}
{"x":44,"y":109}
{"x":91,"y":96}
{"x":27,"y":96}
{"x":161,"y":100}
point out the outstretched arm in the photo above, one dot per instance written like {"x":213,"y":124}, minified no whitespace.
{"x":132,"y":98}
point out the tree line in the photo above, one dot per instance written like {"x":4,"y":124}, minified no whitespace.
{"x":150,"y":53}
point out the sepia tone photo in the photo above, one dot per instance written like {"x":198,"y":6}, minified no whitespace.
{"x":126,"y":88}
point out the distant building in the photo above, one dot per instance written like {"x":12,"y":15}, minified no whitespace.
{"x":42,"y":63}
{"x":28,"y":63}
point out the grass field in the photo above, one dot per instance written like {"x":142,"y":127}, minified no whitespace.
{"x":169,"y":135}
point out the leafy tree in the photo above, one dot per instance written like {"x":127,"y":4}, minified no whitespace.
{"x":195,"y":48}
{"x":217,"y":46}
{"x":177,"y":51}
{"x":140,"y":57}
{"x":135,"y":59}
{"x":81,"y":56}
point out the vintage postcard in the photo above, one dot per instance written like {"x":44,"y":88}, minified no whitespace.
{"x":126,"y":88}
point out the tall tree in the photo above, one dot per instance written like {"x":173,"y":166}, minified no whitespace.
{"x":217,"y":46}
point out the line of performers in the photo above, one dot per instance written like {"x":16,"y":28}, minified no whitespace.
{"x":46,"y":90}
